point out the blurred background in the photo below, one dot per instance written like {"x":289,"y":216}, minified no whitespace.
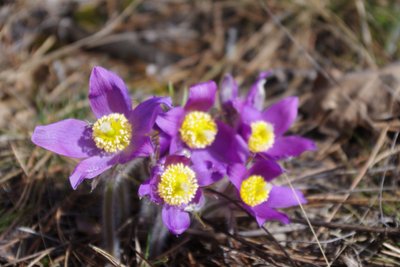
{"x":339,"y":57}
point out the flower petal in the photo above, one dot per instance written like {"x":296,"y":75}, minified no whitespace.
{"x":145,"y":189}
{"x":174,"y":159}
{"x":90,"y":168}
{"x":282,"y":114}
{"x":176,"y":220}
{"x":198,"y":202}
{"x":149,"y":187}
{"x":163,"y":141}
{"x":208,"y":169}
{"x":201,"y":96}
{"x":140,"y":146}
{"x":71,"y":138}
{"x":171,"y":121}
{"x":228,"y":147}
{"x":176,"y":145}
{"x":108,"y":93}
{"x":228,"y":90}
{"x":250,"y":114}
{"x":264,"y":213}
{"x":290,"y":146}
{"x":266,"y":168}
{"x":144,"y":115}
{"x":256,"y":95}
{"x":236,"y":174}
{"x":283,"y":197}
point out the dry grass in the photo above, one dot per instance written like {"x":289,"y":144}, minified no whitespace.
{"x":339,"y":57}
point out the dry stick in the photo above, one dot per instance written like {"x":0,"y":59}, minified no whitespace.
{"x":308,"y":221}
{"x":262,"y":227}
{"x":109,"y":28}
{"x":111,"y":259}
{"x":357,"y":228}
{"x":348,"y":34}
{"x":363,"y":171}
{"x":299,"y":46}
{"x":383,"y":179}
{"x":238,"y":238}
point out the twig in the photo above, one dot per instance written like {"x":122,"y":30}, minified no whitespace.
{"x":308,"y":221}
{"x":11,"y":75}
{"x":358,"y":228}
{"x":383,"y":179}
{"x":262,"y":227}
{"x":106,"y":255}
{"x":299,"y":46}
{"x":363,"y":170}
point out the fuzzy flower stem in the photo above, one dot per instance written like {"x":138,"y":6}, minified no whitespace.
{"x":109,"y":225}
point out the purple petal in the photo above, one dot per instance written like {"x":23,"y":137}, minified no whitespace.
{"x":201,"y":96}
{"x":145,"y":188}
{"x":90,"y":168}
{"x":256,"y":95}
{"x":149,"y":187}
{"x":198,"y":201}
{"x":176,"y":220}
{"x":163,"y":141}
{"x":108,"y":93}
{"x":282,"y":114}
{"x":264,"y":213}
{"x":266,"y":168}
{"x":140,"y":146}
{"x":236,"y":174}
{"x":250,"y":114}
{"x":229,"y":89}
{"x":208,"y":169}
{"x":176,"y":145}
{"x":171,"y":121}
{"x":283,"y":197}
{"x":290,"y":146}
{"x":228,"y":147}
{"x":144,"y":115}
{"x":71,"y":138}
{"x":174,"y":159}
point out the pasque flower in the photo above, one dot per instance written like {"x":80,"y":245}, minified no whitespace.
{"x":258,"y":195}
{"x":175,"y":184}
{"x":263,"y":131}
{"x":120,"y":133}
{"x":212,"y":144}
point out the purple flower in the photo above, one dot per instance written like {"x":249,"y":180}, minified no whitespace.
{"x":229,"y":94}
{"x":258,"y":195}
{"x":263,"y":130}
{"x":119,"y":134}
{"x":175,"y":184}
{"x":213,"y":144}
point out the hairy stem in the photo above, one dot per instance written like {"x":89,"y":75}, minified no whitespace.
{"x":109,"y":216}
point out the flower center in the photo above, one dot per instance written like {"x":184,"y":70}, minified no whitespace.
{"x":112,"y":132}
{"x":254,"y":190}
{"x":198,"y":129}
{"x":262,"y":136}
{"x":178,"y":184}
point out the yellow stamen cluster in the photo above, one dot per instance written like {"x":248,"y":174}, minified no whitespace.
{"x":254,"y":190}
{"x":112,"y":132}
{"x":178,"y":184}
{"x":262,"y":136}
{"x":198,"y":129}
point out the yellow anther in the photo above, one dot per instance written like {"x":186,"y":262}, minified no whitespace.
{"x":262,"y":136}
{"x":198,"y":129}
{"x":254,"y":190}
{"x":112,"y":132}
{"x":178,"y":184}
